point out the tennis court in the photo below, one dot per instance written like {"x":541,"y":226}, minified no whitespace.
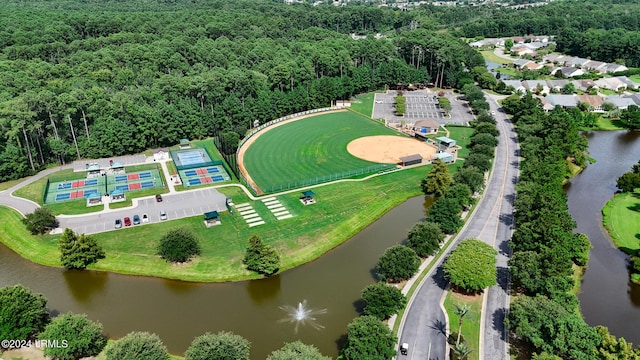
{"x":73,"y":189}
{"x":204,"y":175}
{"x":192,"y":158}
{"x":142,"y":180}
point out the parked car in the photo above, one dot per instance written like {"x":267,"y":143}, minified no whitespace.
{"x":163,"y":215}
{"x":127,"y":221}
{"x":145,"y":218}
{"x":158,"y":198}
{"x":136,"y":220}
{"x":118,"y":224}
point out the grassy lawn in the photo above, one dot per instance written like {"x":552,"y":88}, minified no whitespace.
{"x":621,"y":216}
{"x":608,"y":124}
{"x":635,"y":78}
{"x":363,"y":104}
{"x":7,"y":184}
{"x":607,"y":92}
{"x":309,"y":148}
{"x":508,"y":70}
{"x":471,"y":324}
{"x":462,"y":135}
{"x":490,"y":56}
{"x":342,"y":210}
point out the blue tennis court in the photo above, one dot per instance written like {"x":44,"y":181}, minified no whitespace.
{"x":122,"y":187}
{"x":190,"y":173}
{"x":217,"y":178}
{"x":91,"y":182}
{"x":145,"y":175}
{"x":63,"y":196}
{"x":212,"y":170}
{"x":64,"y":186}
{"x":120,"y":178}
{"x":146,"y":184}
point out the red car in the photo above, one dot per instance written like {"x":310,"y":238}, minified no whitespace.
{"x":127,"y":221}
{"x":159,"y":198}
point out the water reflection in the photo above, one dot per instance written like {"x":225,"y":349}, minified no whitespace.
{"x":265,"y":289}
{"x":85,"y":285}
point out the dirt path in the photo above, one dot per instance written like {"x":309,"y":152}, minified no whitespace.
{"x":251,"y":140}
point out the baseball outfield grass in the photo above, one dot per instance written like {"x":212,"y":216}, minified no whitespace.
{"x":309,"y":148}
{"x":621,"y":216}
{"x":341,"y":211}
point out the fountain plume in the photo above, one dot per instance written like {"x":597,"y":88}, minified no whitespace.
{"x":302,"y":315}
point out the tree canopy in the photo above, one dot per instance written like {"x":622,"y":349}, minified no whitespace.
{"x":22,"y":313}
{"x":425,"y":238}
{"x":369,"y":338}
{"x":397,"y":263}
{"x":261,"y":257}
{"x":83,"y":337}
{"x":382,"y":300}
{"x":471,"y":266}
{"x":137,"y":346}
{"x":297,"y":351}
{"x":179,"y":245}
{"x":77,"y":252}
{"x":220,"y":346}
{"x":40,"y":221}
{"x":438,"y":179}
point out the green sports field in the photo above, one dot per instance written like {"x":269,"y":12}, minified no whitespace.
{"x":309,"y":148}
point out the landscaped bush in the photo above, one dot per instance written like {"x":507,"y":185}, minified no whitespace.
{"x":179,"y":245}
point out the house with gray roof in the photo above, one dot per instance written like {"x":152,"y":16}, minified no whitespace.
{"x":520,"y":63}
{"x":517,"y":85}
{"x":585,"y":85}
{"x":552,"y":58}
{"x":536,"y":86}
{"x":569,"y":71}
{"x":611,"y":84}
{"x":577,"y":62}
{"x":635,"y":98}
{"x":621,"y":103}
{"x":556,"y":85}
{"x":565,"y":101}
{"x":593,"y":65}
{"x":546,"y":105}
{"x":611,"y":68}
{"x":630,"y":83}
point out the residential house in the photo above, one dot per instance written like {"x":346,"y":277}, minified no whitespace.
{"x":621,"y":103}
{"x":552,"y":58}
{"x":563,"y":60}
{"x":630,"y":83}
{"x":523,"y":50}
{"x":556,"y":85}
{"x":517,"y":86}
{"x":538,"y":87}
{"x":491,"y":42}
{"x":611,"y":68}
{"x":594,"y":101}
{"x":585,"y":85}
{"x":593,"y":65}
{"x":517,"y":39}
{"x":611,"y":84}
{"x":546,"y":105}
{"x":635,"y":98}
{"x":576,"y":62}
{"x":565,"y":101}
{"x":569,"y":71}
{"x":533,"y":66}
{"x":521,"y":63}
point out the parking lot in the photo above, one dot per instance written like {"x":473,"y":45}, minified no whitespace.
{"x":178,"y":205}
{"x":421,"y":105}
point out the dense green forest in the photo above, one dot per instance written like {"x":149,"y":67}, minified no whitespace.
{"x":86,"y":79}
{"x":546,"y":251}
{"x":602,"y":30}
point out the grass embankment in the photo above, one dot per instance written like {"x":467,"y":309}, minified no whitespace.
{"x":471,"y":323}
{"x":603,"y":123}
{"x":462,"y":136}
{"x":342,"y":210}
{"x":7,"y":184}
{"x":621,"y":216}
{"x":489,"y":55}
{"x":363,"y":104}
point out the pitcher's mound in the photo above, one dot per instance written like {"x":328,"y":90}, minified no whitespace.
{"x":388,"y":148}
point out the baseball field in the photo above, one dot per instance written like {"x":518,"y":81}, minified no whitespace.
{"x":308,"y":148}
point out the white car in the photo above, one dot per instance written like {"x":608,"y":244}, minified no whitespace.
{"x":145,"y":218}
{"x":163,"y":215}
{"x":493,"y":113}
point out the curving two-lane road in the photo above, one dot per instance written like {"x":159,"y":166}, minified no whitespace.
{"x":424,"y":323}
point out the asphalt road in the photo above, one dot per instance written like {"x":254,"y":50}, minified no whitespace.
{"x":424,"y":325}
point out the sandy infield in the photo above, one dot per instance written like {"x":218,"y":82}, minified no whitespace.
{"x":248,"y":143}
{"x":388,"y":148}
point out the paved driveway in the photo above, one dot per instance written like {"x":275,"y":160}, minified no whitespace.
{"x":178,"y":205}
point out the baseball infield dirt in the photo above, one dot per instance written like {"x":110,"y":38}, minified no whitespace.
{"x":388,"y":148}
